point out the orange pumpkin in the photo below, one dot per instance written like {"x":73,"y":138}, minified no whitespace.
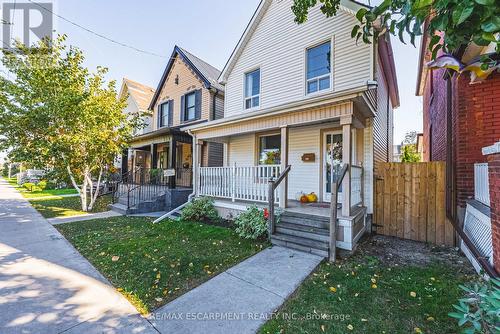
{"x":303,"y":199}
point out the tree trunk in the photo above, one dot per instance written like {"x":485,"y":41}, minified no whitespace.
{"x":95,"y":193}
{"x":82,"y":192}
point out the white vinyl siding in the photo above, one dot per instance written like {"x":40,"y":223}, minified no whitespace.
{"x":278,"y":47}
{"x":242,"y":150}
{"x":304,"y":176}
{"x":383,"y":123}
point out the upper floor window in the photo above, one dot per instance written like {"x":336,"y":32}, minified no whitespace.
{"x":252,"y":89}
{"x":318,"y":68}
{"x":163,"y":114}
{"x":190,"y":107}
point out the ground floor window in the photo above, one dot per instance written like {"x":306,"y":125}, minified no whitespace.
{"x":269,"y":149}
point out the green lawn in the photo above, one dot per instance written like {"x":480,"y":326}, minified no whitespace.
{"x":152,"y":264}
{"x":67,"y":206}
{"x":36,"y":194}
{"x":364,"y":295}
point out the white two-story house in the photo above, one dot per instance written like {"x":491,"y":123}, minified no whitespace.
{"x":294,"y":96}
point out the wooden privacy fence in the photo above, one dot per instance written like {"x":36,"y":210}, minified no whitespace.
{"x":410,"y":202}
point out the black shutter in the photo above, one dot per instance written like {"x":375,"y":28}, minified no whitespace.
{"x":183,"y":111}
{"x":198,"y":104}
{"x":170,"y":112}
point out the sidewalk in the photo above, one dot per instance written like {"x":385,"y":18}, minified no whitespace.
{"x":241,"y":299}
{"x":46,"y":286}
{"x":87,"y":216}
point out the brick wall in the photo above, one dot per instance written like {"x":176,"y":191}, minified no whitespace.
{"x":478,"y":126}
{"x":435,"y":117}
{"x":475,"y":124}
{"x":494,"y":179}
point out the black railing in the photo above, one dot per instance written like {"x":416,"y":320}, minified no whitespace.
{"x":147,"y":184}
{"x":184,"y":177}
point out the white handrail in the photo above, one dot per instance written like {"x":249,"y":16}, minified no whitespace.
{"x":247,"y":183}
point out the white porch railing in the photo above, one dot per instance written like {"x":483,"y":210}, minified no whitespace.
{"x":248,"y":183}
{"x":356,"y":185}
{"x":481,"y":184}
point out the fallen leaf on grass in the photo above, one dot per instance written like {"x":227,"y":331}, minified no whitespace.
{"x":333,"y":289}
{"x":350,"y":327}
{"x":417,"y":330}
{"x":413,"y":294}
{"x":115,"y":258}
{"x":374,"y":286}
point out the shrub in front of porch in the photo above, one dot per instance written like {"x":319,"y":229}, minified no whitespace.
{"x":200,"y":210}
{"x":251,"y":224}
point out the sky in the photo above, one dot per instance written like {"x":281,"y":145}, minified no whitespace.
{"x":208,"y":29}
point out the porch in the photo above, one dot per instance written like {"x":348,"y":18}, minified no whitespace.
{"x":164,"y":156}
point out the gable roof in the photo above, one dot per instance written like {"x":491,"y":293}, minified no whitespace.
{"x":349,"y":6}
{"x":141,"y":94}
{"x":206,"y":72}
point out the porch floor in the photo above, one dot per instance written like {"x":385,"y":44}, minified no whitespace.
{"x":321,"y":209}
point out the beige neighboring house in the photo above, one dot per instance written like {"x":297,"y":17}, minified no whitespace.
{"x":158,"y":165}
{"x":295,"y":95}
{"x":139,"y":97}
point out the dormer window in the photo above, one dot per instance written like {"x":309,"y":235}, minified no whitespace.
{"x":252,"y":89}
{"x":318,"y":75}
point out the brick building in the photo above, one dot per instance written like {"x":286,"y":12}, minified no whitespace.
{"x":459,"y":120}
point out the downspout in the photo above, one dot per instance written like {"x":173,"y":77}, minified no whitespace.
{"x":214,"y":113}
{"x":190,"y":196}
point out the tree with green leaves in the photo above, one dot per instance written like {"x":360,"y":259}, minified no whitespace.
{"x":55,"y":113}
{"x":460,"y":22}
{"x":409,"y":153}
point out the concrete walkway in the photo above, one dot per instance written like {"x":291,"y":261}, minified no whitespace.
{"x":241,"y":299}
{"x":88,"y":216}
{"x":46,"y":286}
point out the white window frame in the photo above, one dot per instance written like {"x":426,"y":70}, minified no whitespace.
{"x":186,"y":107}
{"x":318,"y":78}
{"x":258,"y":137}
{"x":160,"y":118}
{"x":245,"y":98}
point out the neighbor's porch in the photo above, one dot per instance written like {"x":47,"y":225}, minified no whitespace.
{"x":164,"y":154}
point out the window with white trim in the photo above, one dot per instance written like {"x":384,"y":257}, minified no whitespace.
{"x":190,"y":107}
{"x":270,"y":149}
{"x":163,"y":117}
{"x":318,"y":68}
{"x":252,"y":89}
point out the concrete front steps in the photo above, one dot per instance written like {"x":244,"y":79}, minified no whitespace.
{"x":304,"y":232}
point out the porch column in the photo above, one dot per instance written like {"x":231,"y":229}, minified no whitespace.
{"x":347,"y":159}
{"x":283,"y":191}
{"x":172,"y":163}
{"x":225,"y":155}
{"x":154,"y":156}
{"x":196,"y":166}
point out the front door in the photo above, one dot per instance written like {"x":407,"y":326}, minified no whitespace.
{"x":332,"y":143}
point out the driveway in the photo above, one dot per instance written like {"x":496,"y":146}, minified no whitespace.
{"x":46,"y":286}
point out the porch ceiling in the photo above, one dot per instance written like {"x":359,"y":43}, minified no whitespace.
{"x":275,"y":121}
